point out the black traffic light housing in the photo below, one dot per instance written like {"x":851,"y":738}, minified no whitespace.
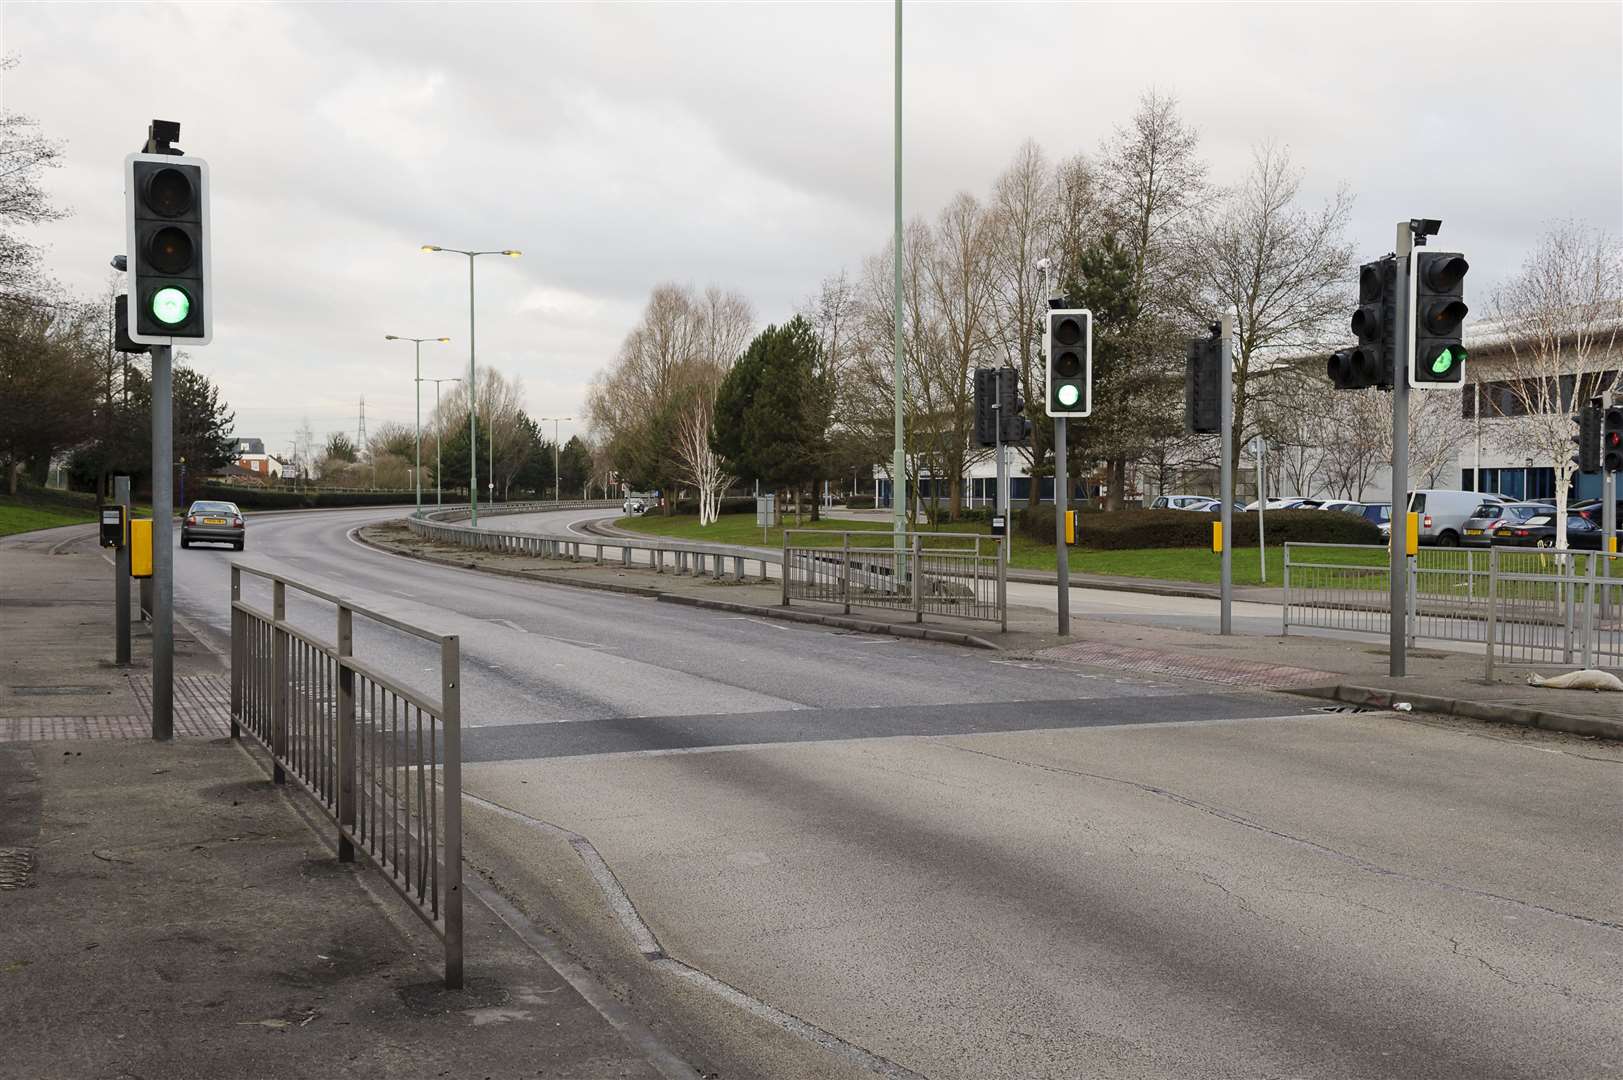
{"x":1370,"y":362}
{"x":1611,"y":439}
{"x":986,"y":385}
{"x":1588,"y":439}
{"x":166,"y":214}
{"x":1203,"y":384}
{"x":1438,"y":358}
{"x":1011,"y":410}
{"x":1070,"y":362}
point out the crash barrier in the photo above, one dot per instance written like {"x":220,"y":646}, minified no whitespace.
{"x":382,"y":758}
{"x":957,"y":574}
{"x":1555,"y":607}
{"x":460,"y":511}
{"x":1528,"y":606}
{"x":721,"y":561}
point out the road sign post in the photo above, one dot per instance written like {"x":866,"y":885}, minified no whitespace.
{"x":1225,"y":483}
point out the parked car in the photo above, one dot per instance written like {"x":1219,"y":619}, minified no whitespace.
{"x":1345,"y":505}
{"x":1539,"y":531}
{"x":1593,"y":509}
{"x":1278,"y":504}
{"x":1478,"y":528}
{"x":213,"y":523}
{"x":1377,"y":514}
{"x":1183,"y":502}
{"x":1443,"y":513}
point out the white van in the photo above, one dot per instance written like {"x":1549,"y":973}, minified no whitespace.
{"x":1443,"y":512}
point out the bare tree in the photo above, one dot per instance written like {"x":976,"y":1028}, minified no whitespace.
{"x":1434,"y":427}
{"x":25,"y":154}
{"x":1560,"y":315}
{"x":1284,"y":270}
{"x":1362,"y":420}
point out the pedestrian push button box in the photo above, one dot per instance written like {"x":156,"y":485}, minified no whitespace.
{"x":141,"y":547}
{"x":115,"y":529}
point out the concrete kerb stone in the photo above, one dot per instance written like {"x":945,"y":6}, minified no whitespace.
{"x":1384,"y":698}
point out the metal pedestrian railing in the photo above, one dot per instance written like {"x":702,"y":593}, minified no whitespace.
{"x":1345,"y":587}
{"x":1555,"y":607}
{"x":382,"y":758}
{"x":963,"y":575}
{"x":675,"y":556}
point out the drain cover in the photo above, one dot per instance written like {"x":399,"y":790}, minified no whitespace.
{"x":1342,"y":709}
{"x":16,"y":868}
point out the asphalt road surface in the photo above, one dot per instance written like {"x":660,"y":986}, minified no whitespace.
{"x":968,"y":865}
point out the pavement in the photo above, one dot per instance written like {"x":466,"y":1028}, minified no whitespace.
{"x":801,"y":851}
{"x":1165,"y":634}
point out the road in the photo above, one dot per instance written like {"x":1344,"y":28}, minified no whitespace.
{"x":973,"y":867}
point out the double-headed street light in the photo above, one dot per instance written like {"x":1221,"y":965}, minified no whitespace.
{"x":556,"y":493}
{"x":473,"y":433}
{"x":439,"y":494}
{"x":417,"y":468}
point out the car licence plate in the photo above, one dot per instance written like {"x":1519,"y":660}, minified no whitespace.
{"x":1503,"y":532}
{"x":1473,"y":532}
{"x":214,"y":521}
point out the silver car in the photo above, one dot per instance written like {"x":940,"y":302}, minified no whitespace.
{"x":1478,"y":528}
{"x":213,"y":523}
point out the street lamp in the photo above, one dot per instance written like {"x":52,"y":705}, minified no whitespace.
{"x":439,"y":498}
{"x":557,"y":495}
{"x":417,"y":468}
{"x":473,"y":434}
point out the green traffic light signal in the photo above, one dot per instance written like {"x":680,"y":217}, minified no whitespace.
{"x":1443,"y":362}
{"x":171,"y":306}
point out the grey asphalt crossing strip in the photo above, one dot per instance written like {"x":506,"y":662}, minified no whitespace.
{"x":676,"y":733}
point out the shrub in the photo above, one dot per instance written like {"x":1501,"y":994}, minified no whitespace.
{"x":1183,"y":529}
{"x":254,"y":498}
{"x":859,"y":502}
{"x":733,"y":504}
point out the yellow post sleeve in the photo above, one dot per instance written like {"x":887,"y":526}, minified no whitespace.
{"x":140,"y":547}
{"x":1070,"y":526}
{"x":1411,"y":540}
{"x":1217,"y":538}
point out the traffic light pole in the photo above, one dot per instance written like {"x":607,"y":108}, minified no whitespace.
{"x":121,"y":578}
{"x":1062,"y":552}
{"x":1402,"y":346}
{"x":163,"y":551}
{"x":1225,"y":483}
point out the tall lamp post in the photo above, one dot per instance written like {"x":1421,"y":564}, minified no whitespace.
{"x":473,"y":432}
{"x":439,"y":496}
{"x":557,"y":493}
{"x":417,"y":383}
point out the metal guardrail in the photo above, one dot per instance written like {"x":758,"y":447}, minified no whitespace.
{"x":1527,"y":605}
{"x":1555,"y":607}
{"x":675,"y":556}
{"x":382,"y":759}
{"x":867,"y":569}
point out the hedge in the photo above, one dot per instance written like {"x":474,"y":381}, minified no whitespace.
{"x":1122,"y":529}
{"x":735,"y":504}
{"x":251,"y":498}
{"x":859,"y":502}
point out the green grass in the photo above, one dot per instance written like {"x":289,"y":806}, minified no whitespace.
{"x":1165,"y":564}
{"x":18,"y":517}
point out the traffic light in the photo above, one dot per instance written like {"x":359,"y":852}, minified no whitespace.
{"x":1588,"y":439}
{"x":1070,"y":362}
{"x":1203,"y":384}
{"x":166,"y":217}
{"x":1011,"y":412}
{"x":986,"y":389}
{"x":1369,"y":363}
{"x":1611,"y":440}
{"x":1438,"y":358}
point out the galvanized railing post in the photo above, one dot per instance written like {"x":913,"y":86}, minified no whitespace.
{"x":784,"y":601}
{"x":451,"y":721}
{"x":845,"y":572}
{"x":279,"y":681}
{"x":1588,"y":629}
{"x":1493,"y":610}
{"x":1285,"y":606}
{"x":345,"y":735}
{"x":239,"y":652}
{"x":1569,"y":591}
{"x":1413,"y":614}
{"x":918,"y":579}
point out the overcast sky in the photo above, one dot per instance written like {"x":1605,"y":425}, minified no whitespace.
{"x":746,"y":145}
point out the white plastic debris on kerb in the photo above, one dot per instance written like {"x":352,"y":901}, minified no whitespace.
{"x":1403,"y":706}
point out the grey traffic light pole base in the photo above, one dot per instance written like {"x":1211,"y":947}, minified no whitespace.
{"x":121,"y":578}
{"x":163,"y":551}
{"x":1062,"y":556}
{"x":1225,"y":483}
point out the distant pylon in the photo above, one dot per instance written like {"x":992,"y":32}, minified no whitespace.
{"x":360,"y":429}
